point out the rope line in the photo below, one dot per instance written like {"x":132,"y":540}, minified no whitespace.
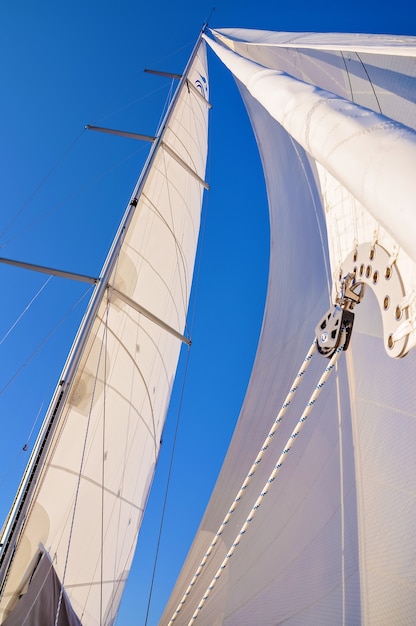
{"x":44,"y":341}
{"x":40,"y":185}
{"x":169,"y":477}
{"x":250,"y":474}
{"x":274,"y":473}
{"x":25,"y":310}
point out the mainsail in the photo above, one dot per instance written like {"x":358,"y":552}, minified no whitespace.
{"x":333,"y":542}
{"x":82,"y":498}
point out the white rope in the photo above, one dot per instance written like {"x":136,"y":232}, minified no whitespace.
{"x":250,"y":475}
{"x":394,"y":255}
{"x":403,"y":330}
{"x":273,"y":475}
{"x":408,"y":299}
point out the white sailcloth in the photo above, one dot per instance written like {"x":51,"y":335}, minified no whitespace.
{"x":333,"y":542}
{"x":88,"y":504}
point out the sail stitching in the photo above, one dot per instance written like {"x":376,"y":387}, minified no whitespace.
{"x":276,"y":469}
{"x":250,"y":474}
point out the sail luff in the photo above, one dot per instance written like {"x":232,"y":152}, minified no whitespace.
{"x":371,"y":155}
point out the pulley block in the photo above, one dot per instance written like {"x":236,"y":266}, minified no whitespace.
{"x":328,"y":330}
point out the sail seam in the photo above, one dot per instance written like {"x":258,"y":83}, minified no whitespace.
{"x":96,"y":484}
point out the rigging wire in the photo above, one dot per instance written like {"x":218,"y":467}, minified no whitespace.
{"x":172,"y":456}
{"x":251,"y":472}
{"x":97,"y":120}
{"x":189,"y":326}
{"x":167,"y":104}
{"x":124,"y":107}
{"x":13,"y":463}
{"x":26,"y":445}
{"x":40,"y":185}
{"x":44,"y":341}
{"x":179,"y":411}
{"x":25,"y":310}
{"x":74,"y":194}
{"x":60,"y":160}
{"x":87,"y":427}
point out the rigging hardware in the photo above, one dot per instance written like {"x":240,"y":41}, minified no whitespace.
{"x":379,"y":269}
{"x":328,"y":330}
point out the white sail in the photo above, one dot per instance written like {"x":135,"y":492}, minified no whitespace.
{"x":333,"y":542}
{"x":89,"y":496}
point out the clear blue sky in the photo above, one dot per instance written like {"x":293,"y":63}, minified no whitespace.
{"x":64,"y":65}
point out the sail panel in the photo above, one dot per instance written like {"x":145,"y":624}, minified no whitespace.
{"x":92,"y":492}
{"x":332,"y":542}
{"x":296,"y":531}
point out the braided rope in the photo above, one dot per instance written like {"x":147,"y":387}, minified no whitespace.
{"x":249,"y":476}
{"x":274,"y":473}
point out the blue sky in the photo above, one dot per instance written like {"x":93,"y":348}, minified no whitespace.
{"x":63,"y":191}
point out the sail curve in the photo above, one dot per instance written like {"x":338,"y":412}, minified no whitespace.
{"x":320,"y":546}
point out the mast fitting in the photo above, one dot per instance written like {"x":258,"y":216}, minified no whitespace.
{"x":371,"y":266}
